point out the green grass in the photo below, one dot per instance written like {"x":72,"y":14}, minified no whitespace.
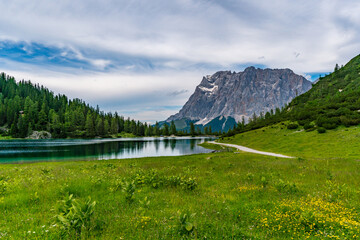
{"x":6,"y":137}
{"x":339,"y":143}
{"x":222,"y":195}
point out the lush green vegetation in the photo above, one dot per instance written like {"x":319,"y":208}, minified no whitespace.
{"x":5,"y":137}
{"x":333,"y":101}
{"x":339,"y":143}
{"x":25,"y":107}
{"x":206,"y":196}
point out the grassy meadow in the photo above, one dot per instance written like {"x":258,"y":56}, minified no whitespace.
{"x":223,"y":195}
{"x":339,"y":143}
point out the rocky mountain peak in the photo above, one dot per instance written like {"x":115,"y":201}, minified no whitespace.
{"x":242,"y":94}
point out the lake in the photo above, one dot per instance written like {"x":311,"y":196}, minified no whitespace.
{"x":17,"y":151}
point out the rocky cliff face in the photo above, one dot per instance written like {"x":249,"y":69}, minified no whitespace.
{"x":242,"y":94}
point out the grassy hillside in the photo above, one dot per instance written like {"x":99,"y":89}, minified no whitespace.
{"x":332,"y":102}
{"x":222,"y":195}
{"x":339,"y":143}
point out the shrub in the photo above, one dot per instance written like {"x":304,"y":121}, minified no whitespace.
{"x":321,"y":130}
{"x":329,"y":125}
{"x":309,"y":126}
{"x":185,"y":224}
{"x":129,"y":190}
{"x":3,"y":187}
{"x":189,"y":184}
{"x":292,"y":126}
{"x":349,"y":120}
{"x":286,"y":187}
{"x":173,"y":181}
{"x":74,"y":217}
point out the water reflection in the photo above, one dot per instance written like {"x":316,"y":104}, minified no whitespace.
{"x":95,"y":149}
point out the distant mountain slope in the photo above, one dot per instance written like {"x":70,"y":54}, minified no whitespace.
{"x":242,"y":94}
{"x":218,"y":124}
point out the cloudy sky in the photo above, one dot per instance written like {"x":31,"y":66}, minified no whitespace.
{"x":145,"y":58}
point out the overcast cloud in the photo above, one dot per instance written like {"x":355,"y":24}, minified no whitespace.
{"x":144,"y":58}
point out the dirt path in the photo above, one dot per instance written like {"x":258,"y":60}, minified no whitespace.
{"x":245,"y":149}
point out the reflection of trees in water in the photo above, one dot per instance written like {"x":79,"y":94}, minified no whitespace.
{"x":192,"y":143}
{"x":166,"y":143}
{"x":108,"y":148}
{"x":157,"y":143}
{"x":173,"y":144}
{"x":104,"y":150}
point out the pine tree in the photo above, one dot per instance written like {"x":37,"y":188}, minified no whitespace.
{"x":106,"y":127}
{"x":114,"y":126}
{"x":22,"y":127}
{"x":90,"y":126}
{"x":166,"y":129}
{"x":173,"y":128}
{"x":192,"y":129}
{"x":206,"y":130}
{"x":157,"y":130}
{"x":100,"y":126}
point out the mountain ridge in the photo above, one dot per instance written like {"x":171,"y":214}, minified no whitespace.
{"x":240,"y":95}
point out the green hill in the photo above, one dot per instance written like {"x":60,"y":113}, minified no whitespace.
{"x":338,"y":143}
{"x":333,"y":101}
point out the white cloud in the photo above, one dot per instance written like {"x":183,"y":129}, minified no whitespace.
{"x":180,"y":40}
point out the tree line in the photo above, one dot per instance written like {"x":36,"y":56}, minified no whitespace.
{"x":26,"y":107}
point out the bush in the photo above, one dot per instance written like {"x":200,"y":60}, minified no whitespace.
{"x":292,"y":126}
{"x":286,"y":187}
{"x":303,"y":122}
{"x":3,"y":187}
{"x":329,"y":125}
{"x":185,"y":223}
{"x":309,"y":126}
{"x":349,"y":120}
{"x":321,"y":130}
{"x":129,"y":190}
{"x":74,"y":217}
{"x":189,"y":184}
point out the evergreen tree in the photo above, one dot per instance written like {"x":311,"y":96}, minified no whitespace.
{"x":25,"y":107}
{"x":100,"y":131}
{"x":22,"y":127}
{"x":192,"y":129}
{"x":157,"y":129}
{"x":166,"y":130}
{"x":106,"y":127}
{"x":114,"y":126}
{"x":173,"y":128}
{"x":90,"y":126}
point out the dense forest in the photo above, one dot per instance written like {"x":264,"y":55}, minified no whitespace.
{"x":27,"y":107}
{"x":334,"y":100}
